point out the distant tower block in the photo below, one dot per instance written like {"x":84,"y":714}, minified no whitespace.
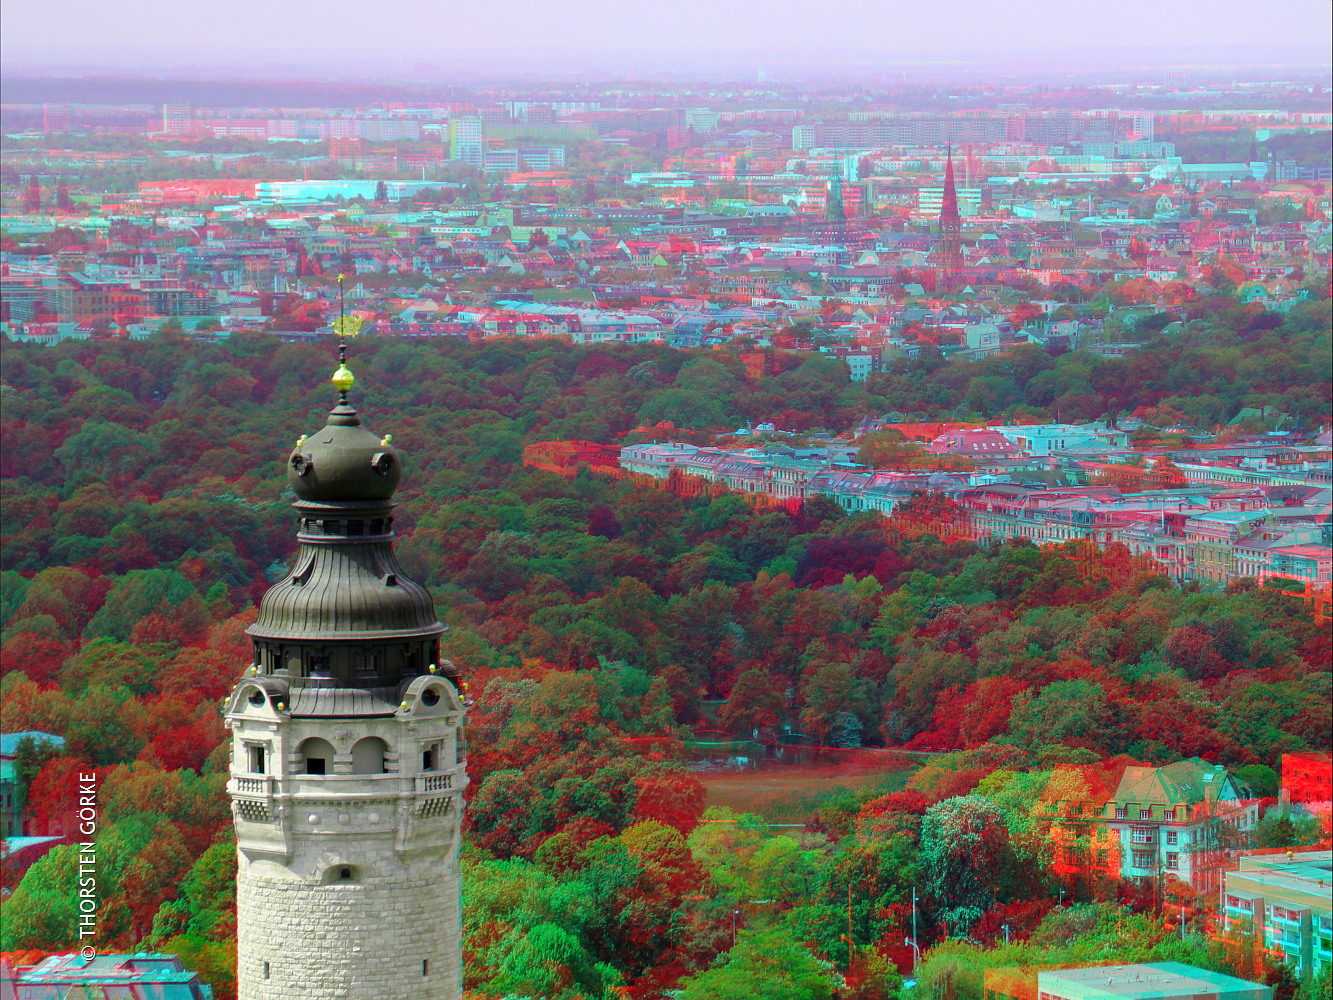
{"x":32,"y":198}
{"x":177,"y":119}
{"x":57,"y":118}
{"x":348,"y":767}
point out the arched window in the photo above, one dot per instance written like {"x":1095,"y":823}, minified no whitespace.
{"x":318,"y":755}
{"x":368,"y":755}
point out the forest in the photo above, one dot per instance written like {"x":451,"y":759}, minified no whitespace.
{"x":604,"y":627}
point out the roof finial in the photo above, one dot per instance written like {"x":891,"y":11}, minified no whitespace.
{"x":343,"y":377}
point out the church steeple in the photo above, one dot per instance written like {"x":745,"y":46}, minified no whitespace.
{"x":348,"y":764}
{"x":948,"y":253}
{"x":949,"y":204}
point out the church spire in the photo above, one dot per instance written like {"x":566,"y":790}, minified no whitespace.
{"x":948,"y":252}
{"x":949,"y":205}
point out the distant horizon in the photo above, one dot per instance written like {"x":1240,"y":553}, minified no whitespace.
{"x":1141,"y":65}
{"x":598,"y":40}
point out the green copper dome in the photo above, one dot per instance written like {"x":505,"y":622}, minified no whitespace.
{"x":343,"y":462}
{"x":345,"y":616}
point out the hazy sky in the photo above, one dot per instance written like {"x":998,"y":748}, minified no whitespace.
{"x":507,"y":35}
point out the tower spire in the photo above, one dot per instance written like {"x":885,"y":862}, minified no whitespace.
{"x":948,"y":252}
{"x":343,"y":377}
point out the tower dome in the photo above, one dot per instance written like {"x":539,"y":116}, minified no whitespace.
{"x":346,"y":615}
{"x":343,"y":462}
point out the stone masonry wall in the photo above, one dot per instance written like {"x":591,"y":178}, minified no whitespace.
{"x":350,"y":941}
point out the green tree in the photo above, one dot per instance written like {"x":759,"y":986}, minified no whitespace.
{"x":963,"y":844}
{"x":767,"y":964}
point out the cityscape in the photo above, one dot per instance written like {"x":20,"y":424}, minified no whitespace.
{"x":844,"y":516}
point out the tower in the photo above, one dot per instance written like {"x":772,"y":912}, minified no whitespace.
{"x":348,"y":769}
{"x":57,"y":118}
{"x":177,"y":119}
{"x":32,"y":198}
{"x":948,"y":253}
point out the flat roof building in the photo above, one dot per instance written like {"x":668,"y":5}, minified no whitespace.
{"x":1154,"y":981}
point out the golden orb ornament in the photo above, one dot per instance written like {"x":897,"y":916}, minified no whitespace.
{"x":343,"y":378}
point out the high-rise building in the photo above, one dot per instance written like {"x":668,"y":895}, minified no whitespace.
{"x":1140,"y":124}
{"x":467,"y":139}
{"x":57,"y":118}
{"x":177,"y":119}
{"x":348,"y":767}
{"x":32,"y":198}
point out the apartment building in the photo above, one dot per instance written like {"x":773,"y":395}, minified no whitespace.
{"x":1135,"y":821}
{"x":1280,"y":904}
{"x":1307,"y":777}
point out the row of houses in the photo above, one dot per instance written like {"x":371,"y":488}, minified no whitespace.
{"x":1209,"y":532}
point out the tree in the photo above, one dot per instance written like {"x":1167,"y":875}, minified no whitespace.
{"x":753,"y":705}
{"x":381,"y":192}
{"x":963,"y":844}
{"x":30,"y":756}
{"x":767,"y":964}
{"x":1068,"y":713}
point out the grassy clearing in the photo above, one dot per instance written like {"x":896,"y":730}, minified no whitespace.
{"x":789,"y":794}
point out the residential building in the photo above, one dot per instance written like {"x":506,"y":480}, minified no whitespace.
{"x":931,"y":199}
{"x":1129,"y":820}
{"x":147,"y":974}
{"x":1307,"y":777}
{"x":1279,"y":905}
{"x":11,"y":809}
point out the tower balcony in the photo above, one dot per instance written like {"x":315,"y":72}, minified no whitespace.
{"x":349,"y":788}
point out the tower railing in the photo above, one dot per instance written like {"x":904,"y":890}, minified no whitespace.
{"x":344,"y":787}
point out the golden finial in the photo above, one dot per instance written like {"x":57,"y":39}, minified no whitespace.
{"x":282,"y":706}
{"x":403,"y":706}
{"x":431,"y":668}
{"x":384,"y":441}
{"x":300,"y":441}
{"x":342,"y":379}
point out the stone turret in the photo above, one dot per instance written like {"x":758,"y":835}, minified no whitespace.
{"x":348,"y":763}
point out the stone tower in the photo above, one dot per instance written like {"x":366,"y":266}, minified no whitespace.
{"x":347,"y":770}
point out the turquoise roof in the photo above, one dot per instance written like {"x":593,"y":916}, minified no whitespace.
{"x":9,"y":742}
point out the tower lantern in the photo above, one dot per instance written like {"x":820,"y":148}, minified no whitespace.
{"x":348,"y":763}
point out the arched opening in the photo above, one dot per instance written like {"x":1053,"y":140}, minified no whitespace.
{"x":368,"y":755}
{"x":342,"y":874}
{"x":318,"y":754}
